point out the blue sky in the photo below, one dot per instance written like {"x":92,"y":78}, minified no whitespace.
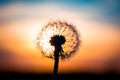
{"x":40,"y":1}
{"x":105,"y":10}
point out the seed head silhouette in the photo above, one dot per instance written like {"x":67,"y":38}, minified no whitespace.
{"x":61,"y":29}
{"x":58,"y":40}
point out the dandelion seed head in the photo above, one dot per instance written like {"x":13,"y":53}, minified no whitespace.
{"x":59,"y":28}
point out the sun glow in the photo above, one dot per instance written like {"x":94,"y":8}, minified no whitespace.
{"x":58,"y":28}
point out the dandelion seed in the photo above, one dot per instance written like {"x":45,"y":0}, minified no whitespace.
{"x":58,"y":28}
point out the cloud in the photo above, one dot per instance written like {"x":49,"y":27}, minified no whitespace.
{"x":5,"y":54}
{"x":21,"y":21}
{"x":102,"y":11}
{"x":18,"y":11}
{"x":6,"y":58}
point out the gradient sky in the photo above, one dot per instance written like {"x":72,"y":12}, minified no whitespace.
{"x":97,"y":22}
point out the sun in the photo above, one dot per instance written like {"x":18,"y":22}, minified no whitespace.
{"x":62,"y":29}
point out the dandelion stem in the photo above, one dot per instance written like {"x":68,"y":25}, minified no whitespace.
{"x":57,"y":41}
{"x":55,"y":71}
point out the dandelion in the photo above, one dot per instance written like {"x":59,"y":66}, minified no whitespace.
{"x":61,"y":29}
{"x":58,"y":40}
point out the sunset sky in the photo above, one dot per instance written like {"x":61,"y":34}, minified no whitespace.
{"x":97,"y":22}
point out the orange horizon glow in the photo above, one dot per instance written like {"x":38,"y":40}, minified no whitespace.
{"x":98,"y":51}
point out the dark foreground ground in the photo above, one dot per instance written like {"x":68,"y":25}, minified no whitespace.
{"x":75,"y":76}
